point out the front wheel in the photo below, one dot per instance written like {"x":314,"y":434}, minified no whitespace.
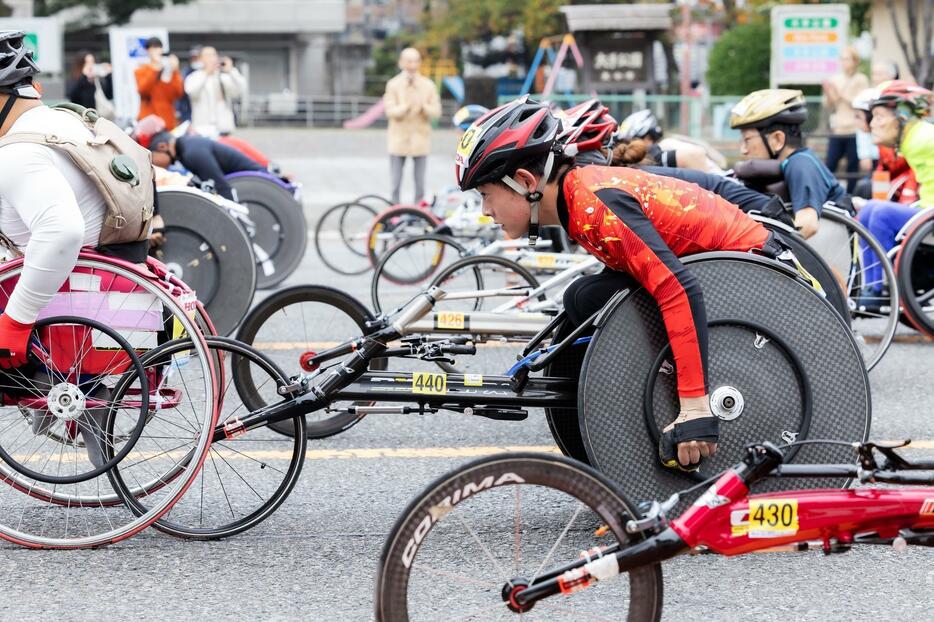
{"x":292,"y":325}
{"x":914,"y":267}
{"x":473,"y":533}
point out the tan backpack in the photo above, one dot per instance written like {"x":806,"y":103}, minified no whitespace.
{"x":121,"y":170}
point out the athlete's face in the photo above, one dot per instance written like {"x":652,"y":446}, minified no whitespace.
{"x":884,"y":126}
{"x":752,"y":147}
{"x":507,"y":207}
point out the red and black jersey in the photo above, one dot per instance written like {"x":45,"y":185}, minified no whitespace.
{"x":902,"y":177}
{"x":640,"y":223}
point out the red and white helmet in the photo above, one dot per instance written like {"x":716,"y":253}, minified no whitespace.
{"x":501,"y":141}
{"x":905,"y":97}
{"x":587,"y":127}
{"x":146,"y":128}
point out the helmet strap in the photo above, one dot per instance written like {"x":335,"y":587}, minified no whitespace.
{"x":7,"y":107}
{"x":765,"y":141}
{"x":535,"y":197}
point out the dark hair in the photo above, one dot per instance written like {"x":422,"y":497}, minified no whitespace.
{"x":77,"y":63}
{"x":794,"y":137}
{"x":159,"y":139}
{"x":153,"y":42}
{"x":536,"y":166}
{"x":627,"y":154}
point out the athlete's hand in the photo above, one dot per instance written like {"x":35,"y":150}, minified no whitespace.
{"x":14,"y":337}
{"x":157,"y":237}
{"x":807,"y":222}
{"x":691,"y":452}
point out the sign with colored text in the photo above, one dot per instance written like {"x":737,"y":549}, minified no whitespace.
{"x":807,"y":41}
{"x":43,"y":37}
{"x":127,"y":52}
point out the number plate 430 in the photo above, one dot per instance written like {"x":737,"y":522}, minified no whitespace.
{"x":773,"y":518}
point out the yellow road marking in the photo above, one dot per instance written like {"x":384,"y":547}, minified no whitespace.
{"x":364,"y":453}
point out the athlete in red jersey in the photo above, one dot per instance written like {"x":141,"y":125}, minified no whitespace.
{"x":636,"y":223}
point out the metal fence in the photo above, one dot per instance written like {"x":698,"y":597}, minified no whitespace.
{"x":283,"y":109}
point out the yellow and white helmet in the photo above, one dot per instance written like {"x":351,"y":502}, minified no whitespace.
{"x":761,"y":109}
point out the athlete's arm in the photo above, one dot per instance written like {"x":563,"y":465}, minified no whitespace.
{"x":41,"y":196}
{"x":644,"y":254}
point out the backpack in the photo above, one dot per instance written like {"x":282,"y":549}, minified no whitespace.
{"x":120,"y":168}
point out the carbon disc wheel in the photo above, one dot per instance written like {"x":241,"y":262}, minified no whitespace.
{"x":803,"y":346}
{"x":209,"y":251}
{"x":281,"y":231}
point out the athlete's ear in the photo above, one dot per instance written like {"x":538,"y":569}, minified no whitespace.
{"x":777,"y":140}
{"x":526,"y":178}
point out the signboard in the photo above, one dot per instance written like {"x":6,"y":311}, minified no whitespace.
{"x":807,"y":41}
{"x":127,"y":52}
{"x":43,"y":37}
{"x":616,"y":61}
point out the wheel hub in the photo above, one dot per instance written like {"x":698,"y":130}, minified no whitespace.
{"x":727,"y":403}
{"x":66,"y":401}
{"x":175,"y":269}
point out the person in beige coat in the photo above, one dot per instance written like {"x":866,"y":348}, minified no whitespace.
{"x":839,"y":92}
{"x":410,"y":103}
{"x":211,"y":90}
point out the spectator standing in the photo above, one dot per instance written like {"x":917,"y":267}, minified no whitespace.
{"x":411,"y":102}
{"x":211,"y":90}
{"x":86,"y":77}
{"x":839,"y":92}
{"x":184,"y":104}
{"x":159,"y":83}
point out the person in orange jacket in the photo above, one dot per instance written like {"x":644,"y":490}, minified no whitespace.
{"x":159,"y":84}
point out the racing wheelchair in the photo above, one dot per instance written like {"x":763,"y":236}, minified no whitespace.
{"x":773,"y":374}
{"x":86,"y":402}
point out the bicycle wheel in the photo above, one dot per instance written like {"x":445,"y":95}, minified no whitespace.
{"x":396,"y":224}
{"x":89,"y":513}
{"x":484,"y":272}
{"x":290,"y":325}
{"x":407,"y":268}
{"x":53,"y":428}
{"x":374,"y":200}
{"x":914,"y":266}
{"x":464,"y":543}
{"x":840,"y":242}
{"x":341,"y":240}
{"x":245,"y":477}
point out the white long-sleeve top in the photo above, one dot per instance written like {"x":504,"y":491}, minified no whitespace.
{"x":210,"y":96}
{"x":48,"y":208}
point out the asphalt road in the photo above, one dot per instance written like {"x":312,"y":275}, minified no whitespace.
{"x":316,"y":558}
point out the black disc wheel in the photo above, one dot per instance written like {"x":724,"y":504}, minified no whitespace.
{"x":773,"y":375}
{"x":281,"y":233}
{"x":209,"y":251}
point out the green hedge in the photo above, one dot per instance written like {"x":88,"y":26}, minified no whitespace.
{"x":739,"y":60}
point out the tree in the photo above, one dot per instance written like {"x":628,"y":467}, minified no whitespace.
{"x":739,"y":60}
{"x":114,"y":11}
{"x":917,"y":48}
